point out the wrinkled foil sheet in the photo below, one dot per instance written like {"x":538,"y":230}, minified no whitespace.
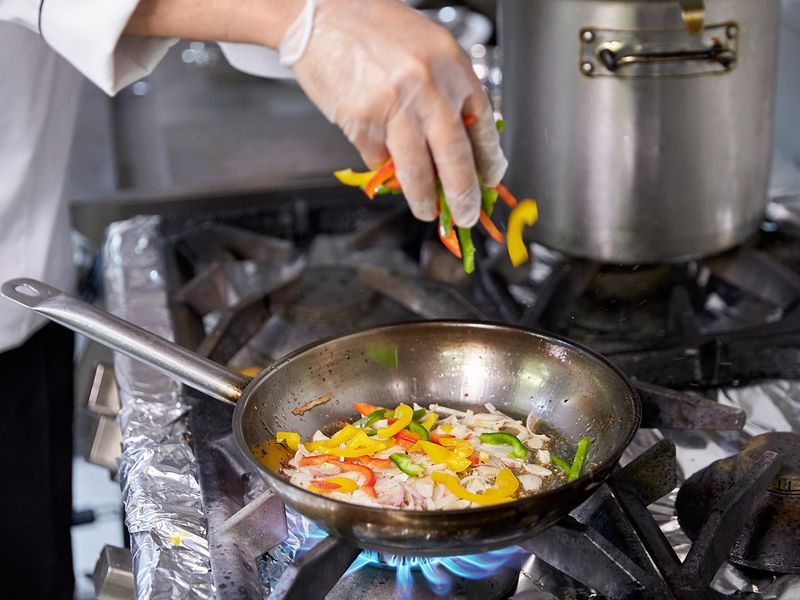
{"x":770,"y":406}
{"x":157,"y":467}
{"x":160,"y":491}
{"x":303,"y":535}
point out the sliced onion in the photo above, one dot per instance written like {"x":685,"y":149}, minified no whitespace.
{"x":537,"y":441}
{"x":531,"y":483}
{"x":444,"y":410}
{"x":424,"y":487}
{"x":396,"y":489}
{"x":537,"y":470}
{"x":491,"y":408}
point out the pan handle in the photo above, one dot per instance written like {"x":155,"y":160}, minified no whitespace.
{"x":125,"y":337}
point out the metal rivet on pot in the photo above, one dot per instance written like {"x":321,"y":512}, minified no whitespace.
{"x":587,"y":68}
{"x":731,"y":31}
{"x":587,"y":36}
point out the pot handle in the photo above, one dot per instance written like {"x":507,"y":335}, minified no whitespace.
{"x":125,"y":337}
{"x":613,"y":60}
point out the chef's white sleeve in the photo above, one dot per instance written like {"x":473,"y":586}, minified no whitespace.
{"x":88,"y":33}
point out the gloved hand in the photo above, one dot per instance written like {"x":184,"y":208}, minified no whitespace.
{"x":399,"y":85}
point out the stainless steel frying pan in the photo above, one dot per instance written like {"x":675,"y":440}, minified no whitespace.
{"x":572,"y":390}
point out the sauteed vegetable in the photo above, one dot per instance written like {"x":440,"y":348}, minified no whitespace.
{"x":458,"y":240}
{"x":437,"y":458}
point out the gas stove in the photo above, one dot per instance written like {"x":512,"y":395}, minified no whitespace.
{"x":712,"y":346}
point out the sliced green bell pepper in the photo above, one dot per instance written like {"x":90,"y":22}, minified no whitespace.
{"x":418,"y":430}
{"x":467,"y":249}
{"x":365,"y":422}
{"x":488,"y":199}
{"x":406,"y":465}
{"x":506,"y":439}
{"x":560,"y":463}
{"x":445,"y":218}
{"x":580,"y":458}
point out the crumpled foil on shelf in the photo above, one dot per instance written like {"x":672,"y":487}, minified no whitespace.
{"x":770,"y":406}
{"x":163,"y":507}
{"x":303,"y":535}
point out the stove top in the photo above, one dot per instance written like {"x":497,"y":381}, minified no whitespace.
{"x":248,"y":287}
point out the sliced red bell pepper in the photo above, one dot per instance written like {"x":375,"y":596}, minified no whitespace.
{"x":435,"y":437}
{"x":405,"y":443}
{"x":369,"y":485}
{"x":384,"y":174}
{"x":393,"y":184}
{"x":450,"y":241}
{"x":407,"y":436}
{"x":325,"y":485}
{"x":490,"y":228}
{"x":506,"y":196}
{"x":371,"y":461}
{"x":470,"y":120}
{"x":317,"y":460}
{"x":347,"y":465}
{"x":366,"y":409}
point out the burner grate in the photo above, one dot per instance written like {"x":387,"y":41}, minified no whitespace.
{"x":693,"y":325}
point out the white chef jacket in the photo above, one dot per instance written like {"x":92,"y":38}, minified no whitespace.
{"x":39,"y":93}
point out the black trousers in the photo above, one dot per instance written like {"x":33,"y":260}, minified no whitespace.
{"x":36,"y":467}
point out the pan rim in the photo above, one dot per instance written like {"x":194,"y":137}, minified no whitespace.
{"x":519,"y":503}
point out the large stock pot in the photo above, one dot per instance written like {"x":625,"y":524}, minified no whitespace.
{"x":642,"y":141}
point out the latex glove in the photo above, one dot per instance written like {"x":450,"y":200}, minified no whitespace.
{"x":399,"y":85}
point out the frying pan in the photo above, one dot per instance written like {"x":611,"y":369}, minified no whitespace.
{"x":572,"y":391}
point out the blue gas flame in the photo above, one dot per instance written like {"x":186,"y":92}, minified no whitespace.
{"x":439,"y":572}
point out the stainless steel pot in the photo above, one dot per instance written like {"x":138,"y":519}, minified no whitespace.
{"x":572,"y":391}
{"x":641,"y":141}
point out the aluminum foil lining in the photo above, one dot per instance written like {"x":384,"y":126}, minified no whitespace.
{"x":164,"y":511}
{"x":303,"y":535}
{"x":163,"y":507}
{"x":770,"y":406}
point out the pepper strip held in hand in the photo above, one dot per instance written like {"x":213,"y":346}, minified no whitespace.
{"x":457,"y":240}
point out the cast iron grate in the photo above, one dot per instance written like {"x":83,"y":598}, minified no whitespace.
{"x":689,"y":342}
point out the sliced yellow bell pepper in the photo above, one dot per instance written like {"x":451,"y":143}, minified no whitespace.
{"x":360,"y":440}
{"x":292,"y":439}
{"x":340,"y":437}
{"x":505,"y":484}
{"x":525,"y":213}
{"x":346,"y":485}
{"x":460,"y":447}
{"x":430,"y":419}
{"x":358,"y":443}
{"x":250,"y":371}
{"x":443,"y":456}
{"x":352,"y":178}
{"x":356,"y":452}
{"x":404,"y":414}
{"x":445,"y":428}
{"x":452,"y":484}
